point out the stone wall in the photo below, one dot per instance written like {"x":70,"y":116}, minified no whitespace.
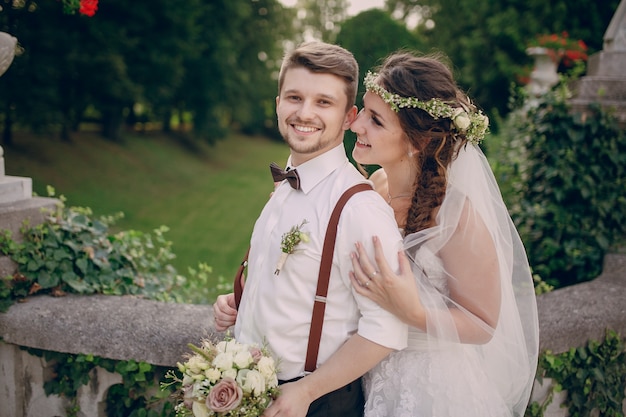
{"x":124,"y":328}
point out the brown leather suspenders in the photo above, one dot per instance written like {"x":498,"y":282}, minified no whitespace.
{"x":319,"y":306}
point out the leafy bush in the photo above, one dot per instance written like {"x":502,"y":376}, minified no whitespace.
{"x":568,"y":198}
{"x":594,"y":377}
{"x":74,"y":252}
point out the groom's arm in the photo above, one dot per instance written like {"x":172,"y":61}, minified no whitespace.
{"x":357,"y":356}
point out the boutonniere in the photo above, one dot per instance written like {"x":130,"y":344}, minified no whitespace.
{"x":289,"y":242}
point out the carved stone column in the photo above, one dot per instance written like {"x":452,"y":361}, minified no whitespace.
{"x":605,"y":82}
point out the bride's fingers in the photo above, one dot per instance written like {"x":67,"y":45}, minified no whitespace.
{"x":364,"y":261}
{"x":379,"y":257}
{"x":360,"y":275}
{"x":358,"y":286}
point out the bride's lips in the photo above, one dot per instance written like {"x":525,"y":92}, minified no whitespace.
{"x":361,"y":144}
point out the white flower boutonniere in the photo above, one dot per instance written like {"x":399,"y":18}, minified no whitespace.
{"x":288,"y":243}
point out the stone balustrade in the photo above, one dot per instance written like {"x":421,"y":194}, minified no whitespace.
{"x":124,"y":328}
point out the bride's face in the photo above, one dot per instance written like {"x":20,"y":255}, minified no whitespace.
{"x":380,"y":139}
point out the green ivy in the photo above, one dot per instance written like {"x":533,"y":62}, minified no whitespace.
{"x":594,"y":377}
{"x":73,"y":251}
{"x":136,"y":396}
{"x":569,"y":197}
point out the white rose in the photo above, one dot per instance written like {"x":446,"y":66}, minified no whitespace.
{"x":229,"y":373}
{"x":223,"y":361}
{"x":196,"y":364}
{"x":221,"y":346}
{"x":266,"y":366}
{"x":200,"y":409}
{"x":212,"y":375}
{"x":243,"y":359}
{"x":253,"y":382}
{"x":272,"y":381}
{"x":460,"y":119}
{"x":229,"y":346}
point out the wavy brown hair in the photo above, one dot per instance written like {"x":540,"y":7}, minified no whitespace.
{"x":425,"y":77}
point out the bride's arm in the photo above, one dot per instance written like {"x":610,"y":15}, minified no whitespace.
{"x":470,"y":261}
{"x":473,"y":276}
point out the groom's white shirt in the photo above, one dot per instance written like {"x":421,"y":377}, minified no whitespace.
{"x":276,"y":309}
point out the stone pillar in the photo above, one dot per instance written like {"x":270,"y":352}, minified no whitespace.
{"x":605,"y":82}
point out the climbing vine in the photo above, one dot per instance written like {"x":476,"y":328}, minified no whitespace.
{"x":137,"y":396}
{"x":594,"y":377}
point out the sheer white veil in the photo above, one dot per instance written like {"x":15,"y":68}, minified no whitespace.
{"x":473,"y":201}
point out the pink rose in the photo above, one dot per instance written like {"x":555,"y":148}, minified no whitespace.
{"x":225,"y":396}
{"x":256,"y":354}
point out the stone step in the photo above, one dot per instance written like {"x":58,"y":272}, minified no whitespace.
{"x":600,"y":88}
{"x":15,"y":189}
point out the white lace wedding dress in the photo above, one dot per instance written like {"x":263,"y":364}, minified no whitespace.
{"x":431,"y":381}
{"x":437,"y":375}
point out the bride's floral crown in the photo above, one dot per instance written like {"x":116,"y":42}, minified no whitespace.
{"x":473,"y":123}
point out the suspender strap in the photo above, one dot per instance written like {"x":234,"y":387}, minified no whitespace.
{"x":323,"y":279}
{"x":239,"y":280}
{"x":319,"y":306}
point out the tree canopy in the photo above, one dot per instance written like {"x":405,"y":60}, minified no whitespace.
{"x":212,"y":65}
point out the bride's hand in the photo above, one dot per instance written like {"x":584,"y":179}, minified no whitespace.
{"x":396,"y":293}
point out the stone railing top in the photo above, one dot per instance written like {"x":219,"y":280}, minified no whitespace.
{"x":124,"y":328}
{"x":571,"y":316}
{"x":120,"y":328}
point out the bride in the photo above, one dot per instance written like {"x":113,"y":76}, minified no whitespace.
{"x":464,"y":285}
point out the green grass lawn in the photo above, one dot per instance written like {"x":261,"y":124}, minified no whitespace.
{"x":209,"y":197}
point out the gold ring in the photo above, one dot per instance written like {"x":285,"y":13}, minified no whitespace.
{"x":373,"y":274}
{"x":367,"y":284}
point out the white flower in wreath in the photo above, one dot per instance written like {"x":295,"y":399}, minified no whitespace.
{"x":460,"y":119}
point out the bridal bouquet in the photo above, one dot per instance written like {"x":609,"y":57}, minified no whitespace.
{"x":227,"y":379}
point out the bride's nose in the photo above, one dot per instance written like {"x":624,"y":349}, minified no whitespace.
{"x":356,"y":125}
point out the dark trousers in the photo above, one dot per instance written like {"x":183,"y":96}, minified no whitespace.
{"x":347,"y":401}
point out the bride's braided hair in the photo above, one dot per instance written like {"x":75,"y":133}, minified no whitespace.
{"x":436,"y":142}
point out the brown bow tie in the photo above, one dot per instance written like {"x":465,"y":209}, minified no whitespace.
{"x":290,"y":175}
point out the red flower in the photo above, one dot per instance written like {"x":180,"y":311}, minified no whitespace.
{"x":561,"y":48}
{"x":88,"y":7}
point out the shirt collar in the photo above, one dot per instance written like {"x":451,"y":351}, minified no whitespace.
{"x":313,"y":171}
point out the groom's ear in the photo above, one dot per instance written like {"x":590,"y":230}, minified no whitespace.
{"x":350,"y":117}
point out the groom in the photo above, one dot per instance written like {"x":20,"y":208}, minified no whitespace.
{"x":317,"y":90}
